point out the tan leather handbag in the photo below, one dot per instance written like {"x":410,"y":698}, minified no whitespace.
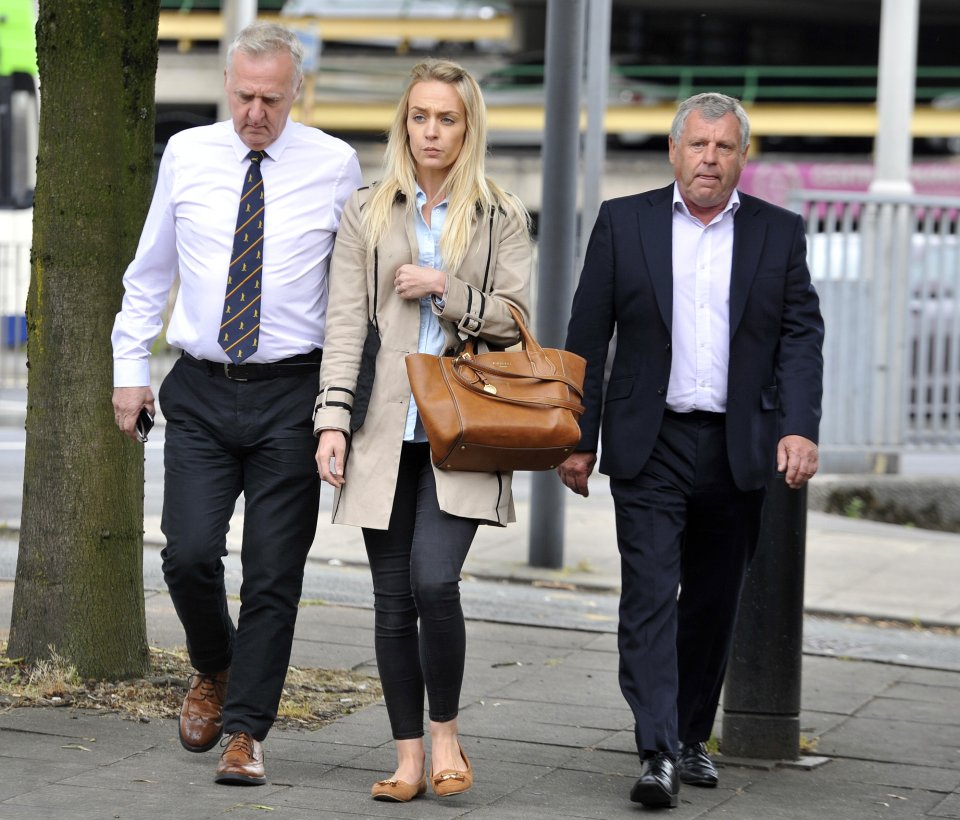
{"x":499,"y":411}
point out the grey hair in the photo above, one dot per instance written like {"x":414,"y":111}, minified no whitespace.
{"x":258,"y":39}
{"x":712,"y":106}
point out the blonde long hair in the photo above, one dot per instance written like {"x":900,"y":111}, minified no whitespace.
{"x":466,"y":186}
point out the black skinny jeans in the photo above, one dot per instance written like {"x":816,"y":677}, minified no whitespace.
{"x":416,"y":567}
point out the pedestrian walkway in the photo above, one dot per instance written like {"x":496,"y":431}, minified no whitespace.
{"x":853,"y":567}
{"x":542,"y":718}
{"x":542,"y":721}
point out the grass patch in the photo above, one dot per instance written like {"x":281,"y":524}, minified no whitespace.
{"x":311,"y":697}
{"x":808,"y":744}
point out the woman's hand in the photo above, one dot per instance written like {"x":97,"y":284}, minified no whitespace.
{"x":415,"y":282}
{"x":331,"y":453}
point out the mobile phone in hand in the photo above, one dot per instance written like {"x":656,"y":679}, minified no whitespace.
{"x":144,"y":425}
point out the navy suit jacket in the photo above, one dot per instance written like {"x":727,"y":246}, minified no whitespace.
{"x":775,"y":376}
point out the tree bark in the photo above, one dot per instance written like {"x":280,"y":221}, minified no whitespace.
{"x":79,"y":580}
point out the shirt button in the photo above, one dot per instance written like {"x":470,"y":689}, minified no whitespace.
{"x":661,"y":391}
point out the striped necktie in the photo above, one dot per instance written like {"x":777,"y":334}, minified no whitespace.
{"x":240,"y":325}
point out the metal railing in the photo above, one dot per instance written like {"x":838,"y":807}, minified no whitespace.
{"x":757,"y":83}
{"x":888,"y":273}
{"x":14,"y":280}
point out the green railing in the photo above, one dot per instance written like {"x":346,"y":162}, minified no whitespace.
{"x":754,"y":83}
{"x":213,"y":5}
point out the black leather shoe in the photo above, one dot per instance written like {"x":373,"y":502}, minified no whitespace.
{"x":658,"y":786}
{"x":695,"y":766}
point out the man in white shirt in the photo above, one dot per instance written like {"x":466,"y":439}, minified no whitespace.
{"x":249,"y":317}
{"x":716,"y":383}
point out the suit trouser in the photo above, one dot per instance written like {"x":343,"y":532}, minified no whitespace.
{"x":222,"y":438}
{"x":681,"y":524}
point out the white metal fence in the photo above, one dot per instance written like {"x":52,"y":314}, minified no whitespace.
{"x":888,"y":274}
{"x":14,"y":281}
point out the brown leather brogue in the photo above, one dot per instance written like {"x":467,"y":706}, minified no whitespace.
{"x":201,"y":716}
{"x":241,"y":763}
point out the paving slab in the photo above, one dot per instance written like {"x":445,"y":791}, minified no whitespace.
{"x":542,"y":717}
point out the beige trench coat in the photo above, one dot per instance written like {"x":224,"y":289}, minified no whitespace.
{"x":496,"y":270}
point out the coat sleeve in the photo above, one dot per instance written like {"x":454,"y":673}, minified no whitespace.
{"x":346,"y":325}
{"x":478,"y":311}
{"x":592,"y":321}
{"x":800,"y":360}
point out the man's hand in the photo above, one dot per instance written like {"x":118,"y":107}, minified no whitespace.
{"x":575,"y":471}
{"x":799,"y":458}
{"x":331,"y":453}
{"x":127,"y":404}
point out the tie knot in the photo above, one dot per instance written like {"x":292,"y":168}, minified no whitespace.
{"x":256,"y":156}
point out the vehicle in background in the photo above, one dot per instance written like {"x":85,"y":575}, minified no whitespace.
{"x":840,"y":270}
{"x":949,"y":144}
{"x":521,"y":83}
{"x":19,"y":136}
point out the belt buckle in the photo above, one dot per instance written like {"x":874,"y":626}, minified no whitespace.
{"x":226,"y":372}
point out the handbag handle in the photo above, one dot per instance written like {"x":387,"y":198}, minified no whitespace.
{"x":527,"y":342}
{"x":541,"y":367}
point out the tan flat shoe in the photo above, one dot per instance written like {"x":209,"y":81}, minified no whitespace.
{"x":453,"y":781}
{"x":398,"y":791}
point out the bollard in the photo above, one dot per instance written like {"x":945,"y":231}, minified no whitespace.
{"x":761,"y":695}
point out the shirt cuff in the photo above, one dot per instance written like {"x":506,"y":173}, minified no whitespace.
{"x":131,"y":372}
{"x":441,"y":301}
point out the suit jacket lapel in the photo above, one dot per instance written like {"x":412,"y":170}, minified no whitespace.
{"x":748,"y":237}
{"x":655,"y":226}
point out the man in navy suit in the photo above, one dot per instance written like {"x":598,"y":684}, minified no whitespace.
{"x":715,"y":385}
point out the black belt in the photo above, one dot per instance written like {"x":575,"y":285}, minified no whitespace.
{"x":695,"y":415}
{"x":294,"y":366}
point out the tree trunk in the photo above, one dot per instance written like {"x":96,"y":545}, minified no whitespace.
{"x":79,"y":581}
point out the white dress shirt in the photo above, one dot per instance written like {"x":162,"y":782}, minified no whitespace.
{"x":702,"y":260}
{"x":307,"y":177}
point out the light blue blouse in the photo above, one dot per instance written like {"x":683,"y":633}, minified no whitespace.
{"x":431,"y":339}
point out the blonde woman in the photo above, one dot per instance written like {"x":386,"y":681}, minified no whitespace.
{"x":430,"y":255}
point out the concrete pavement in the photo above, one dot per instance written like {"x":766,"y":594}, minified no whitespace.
{"x":545,"y":728}
{"x":542,"y":717}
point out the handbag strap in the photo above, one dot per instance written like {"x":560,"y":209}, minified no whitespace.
{"x":479,"y":386}
{"x":376,"y":286}
{"x":471,"y":363}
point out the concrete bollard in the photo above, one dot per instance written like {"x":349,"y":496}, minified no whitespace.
{"x":761,"y":696}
